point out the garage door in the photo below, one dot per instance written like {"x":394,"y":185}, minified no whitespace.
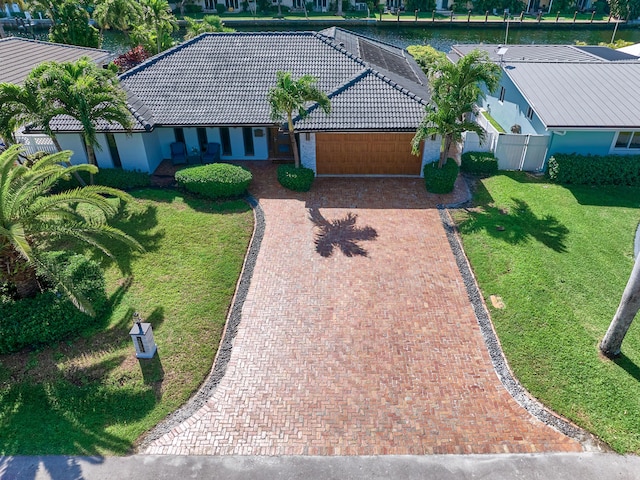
{"x":366,"y":154}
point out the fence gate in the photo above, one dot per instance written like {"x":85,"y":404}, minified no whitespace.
{"x":521,"y":152}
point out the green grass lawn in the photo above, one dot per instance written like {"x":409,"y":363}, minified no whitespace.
{"x":560,"y":264}
{"x":90,"y":395}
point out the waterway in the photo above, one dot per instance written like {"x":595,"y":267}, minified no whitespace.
{"x":441,"y":37}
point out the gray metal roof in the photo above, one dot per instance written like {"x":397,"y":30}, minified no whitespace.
{"x":223,"y":79}
{"x":545,"y":53}
{"x":581,"y":95}
{"x":18,"y":56}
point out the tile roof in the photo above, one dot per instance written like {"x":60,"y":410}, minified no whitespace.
{"x":544,"y":53}
{"x":368,"y":102}
{"x":18,"y":56}
{"x":581,"y":95}
{"x":223,"y":78}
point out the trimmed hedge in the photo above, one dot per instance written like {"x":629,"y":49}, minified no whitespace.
{"x":441,"y":180}
{"x":479,"y":162}
{"x":50,"y":316}
{"x":217,"y":180}
{"x":296,"y":179}
{"x":595,"y":169}
{"x":109,"y":177}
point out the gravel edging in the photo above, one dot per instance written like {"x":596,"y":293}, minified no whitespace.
{"x":223,"y":354}
{"x":500,"y":365}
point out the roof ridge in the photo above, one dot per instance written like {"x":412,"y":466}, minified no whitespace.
{"x":42,"y":42}
{"x":339,"y":48}
{"x":359,"y":35}
{"x":399,"y":87}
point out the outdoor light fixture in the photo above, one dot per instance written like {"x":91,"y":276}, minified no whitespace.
{"x":142,"y":336}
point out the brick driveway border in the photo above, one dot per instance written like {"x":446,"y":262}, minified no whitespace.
{"x":374,"y":353}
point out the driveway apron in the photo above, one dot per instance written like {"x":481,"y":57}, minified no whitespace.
{"x":357,"y":338}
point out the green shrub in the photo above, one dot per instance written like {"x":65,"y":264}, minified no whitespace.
{"x":110,"y":177}
{"x":50,"y":316}
{"x":441,"y":180}
{"x":217,"y":180}
{"x":296,"y":179}
{"x":220,"y":8}
{"x":594,"y":169}
{"x":479,"y":162}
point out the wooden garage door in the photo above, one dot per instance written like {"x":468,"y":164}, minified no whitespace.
{"x":366,"y":154}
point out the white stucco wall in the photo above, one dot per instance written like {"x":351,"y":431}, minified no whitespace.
{"x":431,"y":153}
{"x":103,"y":154}
{"x":154,"y":150}
{"x":308,"y":151}
{"x":133,"y":154}
{"x":73,"y":142}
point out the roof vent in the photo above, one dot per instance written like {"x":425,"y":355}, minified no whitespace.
{"x":341,"y":44}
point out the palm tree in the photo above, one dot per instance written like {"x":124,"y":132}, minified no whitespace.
{"x":455,"y":87}
{"x":157,"y":15}
{"x":443,"y":119}
{"x":86,"y":92}
{"x":32,"y":220}
{"x":210,"y":23}
{"x":291,"y":95}
{"x":121,"y":15}
{"x":627,"y":310}
{"x":49,"y":7}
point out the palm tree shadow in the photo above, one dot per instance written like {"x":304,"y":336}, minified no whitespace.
{"x":341,"y":233}
{"x":518,"y":224}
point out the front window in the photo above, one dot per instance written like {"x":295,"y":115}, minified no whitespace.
{"x":628,"y":140}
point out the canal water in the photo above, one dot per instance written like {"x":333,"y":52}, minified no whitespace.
{"x":441,"y":38}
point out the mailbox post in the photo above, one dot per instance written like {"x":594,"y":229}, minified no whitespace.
{"x":142,"y":336}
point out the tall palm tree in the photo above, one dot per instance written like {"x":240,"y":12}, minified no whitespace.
{"x":86,"y":92}
{"x":291,"y":95}
{"x":32,"y":220}
{"x":121,"y":15}
{"x":629,"y":306}
{"x":49,"y":7}
{"x":455,"y":88}
{"x":157,"y":16}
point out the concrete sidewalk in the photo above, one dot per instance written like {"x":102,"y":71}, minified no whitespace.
{"x":561,"y":466}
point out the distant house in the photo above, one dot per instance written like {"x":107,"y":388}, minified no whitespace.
{"x":214,"y":89}
{"x":561,"y":99}
{"x":20,"y":56}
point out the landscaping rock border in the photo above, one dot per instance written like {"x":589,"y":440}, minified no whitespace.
{"x":500,"y":365}
{"x":226,"y":344}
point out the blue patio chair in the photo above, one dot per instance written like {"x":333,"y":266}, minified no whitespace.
{"x":212,"y":153}
{"x":178,"y":153}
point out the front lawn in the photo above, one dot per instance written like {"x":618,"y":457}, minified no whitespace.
{"x":560,"y":258}
{"x":90,"y":395}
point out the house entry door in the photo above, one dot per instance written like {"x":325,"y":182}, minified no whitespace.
{"x":279,"y":145}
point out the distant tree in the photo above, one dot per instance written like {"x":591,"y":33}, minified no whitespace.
{"x":159,"y":23}
{"x":624,"y":9}
{"x":86,"y":92}
{"x":121,"y":15}
{"x":422,"y":5}
{"x":289,"y":96}
{"x":50,"y":8}
{"x":210,"y":23}
{"x":72,"y":27}
{"x":33,"y":221}
{"x":611,"y":344}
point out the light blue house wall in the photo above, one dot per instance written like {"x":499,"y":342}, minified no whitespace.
{"x":582,"y":142}
{"x":513,"y":110}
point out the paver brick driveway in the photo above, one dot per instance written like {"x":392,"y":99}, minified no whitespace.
{"x":374,"y":353}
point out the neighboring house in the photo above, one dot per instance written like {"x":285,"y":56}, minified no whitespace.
{"x":19,"y":56}
{"x":561,"y":99}
{"x":214,"y":87}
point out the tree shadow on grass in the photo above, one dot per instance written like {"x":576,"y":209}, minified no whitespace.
{"x":628,"y":366}
{"x":341,"y":233}
{"x":516,"y":225}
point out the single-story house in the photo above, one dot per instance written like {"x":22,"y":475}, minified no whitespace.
{"x":569,"y":99}
{"x":214,"y":88}
{"x":20,"y":56}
